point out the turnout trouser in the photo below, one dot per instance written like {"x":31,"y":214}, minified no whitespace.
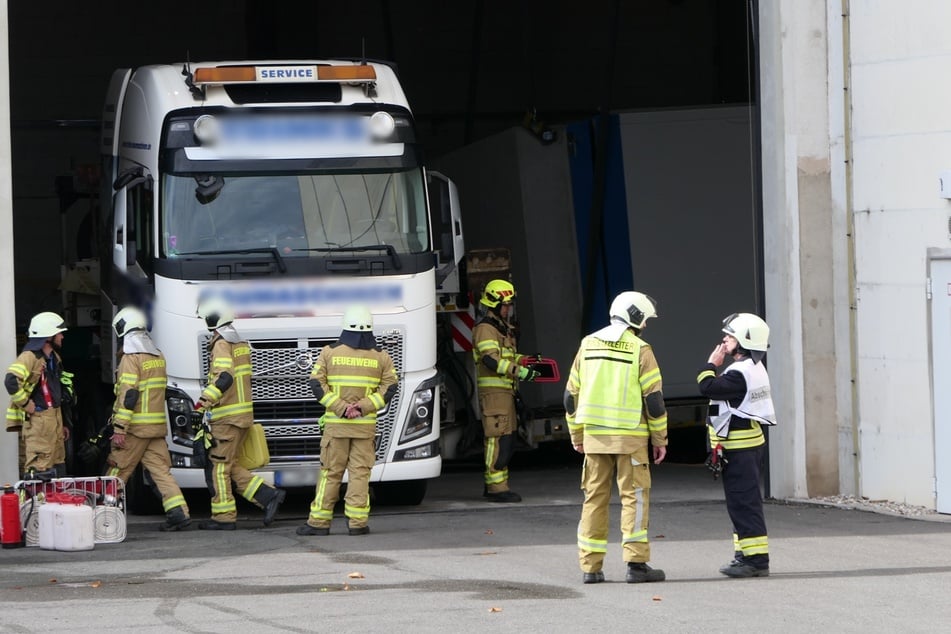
{"x":355,"y":456}
{"x":744,"y":503}
{"x":498,"y":425}
{"x":153,"y":454}
{"x":633,"y":482}
{"x":223,"y":468}
{"x":43,"y":440}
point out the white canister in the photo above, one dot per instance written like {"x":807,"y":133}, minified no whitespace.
{"x":47,"y":538}
{"x":73,"y":527}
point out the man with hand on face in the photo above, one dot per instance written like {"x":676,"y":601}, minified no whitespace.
{"x":741,"y":403}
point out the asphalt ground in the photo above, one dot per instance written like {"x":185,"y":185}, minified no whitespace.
{"x":458,"y":563}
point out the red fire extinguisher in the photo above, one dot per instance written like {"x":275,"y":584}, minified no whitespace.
{"x":11,"y":533}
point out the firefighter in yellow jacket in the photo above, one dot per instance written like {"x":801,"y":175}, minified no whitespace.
{"x":615,"y":404}
{"x":353,"y":379}
{"x":497,"y":369}
{"x":38,"y":385}
{"x":138,"y":416}
{"x":227,"y":397}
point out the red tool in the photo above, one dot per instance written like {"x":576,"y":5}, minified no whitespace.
{"x":547,"y":368}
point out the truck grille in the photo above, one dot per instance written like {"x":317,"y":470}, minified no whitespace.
{"x":283,"y":402}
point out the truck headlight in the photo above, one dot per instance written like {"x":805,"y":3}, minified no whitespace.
{"x":180,"y":408}
{"x":381,"y":125}
{"x":206,"y":129}
{"x":420,"y":420}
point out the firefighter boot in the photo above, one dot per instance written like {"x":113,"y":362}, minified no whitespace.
{"x":307,"y":529}
{"x":503,"y":497}
{"x":215,"y":525}
{"x":270,"y":499}
{"x":741,"y":568}
{"x":592,"y":577}
{"x":175,"y":520}
{"x":640,"y":573}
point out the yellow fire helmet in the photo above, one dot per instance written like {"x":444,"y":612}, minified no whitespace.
{"x":497,"y":292}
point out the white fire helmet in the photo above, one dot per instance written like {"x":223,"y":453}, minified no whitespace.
{"x":750,"y":331}
{"x":633,"y":308}
{"x":128,"y":319}
{"x":358,"y":319}
{"x":216,"y":312}
{"x":46,"y":325}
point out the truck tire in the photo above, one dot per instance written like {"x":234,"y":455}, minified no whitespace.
{"x":140,"y":499}
{"x":405,"y":493}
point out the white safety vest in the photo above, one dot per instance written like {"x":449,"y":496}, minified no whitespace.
{"x":757,"y":404}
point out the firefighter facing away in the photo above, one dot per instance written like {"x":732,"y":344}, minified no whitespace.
{"x":741,"y":403}
{"x":138,"y":416}
{"x":38,"y":388}
{"x":227,"y":398}
{"x":614,"y":405}
{"x":353,"y":379}
{"x":497,"y":369}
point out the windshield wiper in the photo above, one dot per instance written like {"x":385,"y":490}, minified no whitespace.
{"x":389,"y":248}
{"x":281,"y":265}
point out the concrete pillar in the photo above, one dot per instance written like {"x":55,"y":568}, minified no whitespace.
{"x":803,"y":247}
{"x":8,"y":442}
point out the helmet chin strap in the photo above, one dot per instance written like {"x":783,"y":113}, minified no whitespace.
{"x":740,"y":353}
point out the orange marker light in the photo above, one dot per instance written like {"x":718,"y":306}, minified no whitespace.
{"x":224,"y":74}
{"x":283,"y":74}
{"x":346,"y":73}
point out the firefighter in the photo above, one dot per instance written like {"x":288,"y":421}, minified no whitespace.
{"x":138,"y":416}
{"x":227,"y":398}
{"x":497,"y":369}
{"x":614,"y":404}
{"x":741,"y":403}
{"x":353,"y":379}
{"x":38,"y":388}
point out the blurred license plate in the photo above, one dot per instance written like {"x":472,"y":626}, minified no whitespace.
{"x":295,"y":478}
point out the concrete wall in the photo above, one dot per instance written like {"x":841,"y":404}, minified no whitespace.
{"x":901,"y":126}
{"x":856,"y":129}
{"x":8,"y":442}
{"x":802,"y":237}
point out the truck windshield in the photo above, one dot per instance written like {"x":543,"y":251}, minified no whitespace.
{"x":300,"y":215}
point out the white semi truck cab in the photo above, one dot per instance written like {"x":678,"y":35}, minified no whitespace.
{"x":292,"y":189}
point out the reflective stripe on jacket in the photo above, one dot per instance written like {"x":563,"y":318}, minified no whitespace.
{"x":350,"y":375}
{"x":27,"y":368}
{"x":146,"y":374}
{"x":489,"y":341}
{"x":609,"y":380}
{"x":234,"y":404}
